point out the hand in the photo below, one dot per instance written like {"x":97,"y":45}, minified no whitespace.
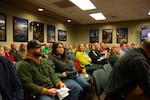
{"x":52,"y":92}
{"x":61,"y":85}
{"x":64,"y":74}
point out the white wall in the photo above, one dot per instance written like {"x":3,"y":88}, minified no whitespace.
{"x":11,"y":11}
{"x":134,"y":29}
{"x":75,"y":34}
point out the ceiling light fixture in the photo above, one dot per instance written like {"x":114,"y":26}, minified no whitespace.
{"x":98,"y":16}
{"x":69,"y":20}
{"x":149,"y":13}
{"x":84,"y":4}
{"x":40,"y":10}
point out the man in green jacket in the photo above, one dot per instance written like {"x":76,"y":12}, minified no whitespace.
{"x":37,"y":75}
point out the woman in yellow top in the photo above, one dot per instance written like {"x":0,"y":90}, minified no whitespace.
{"x":83,"y":58}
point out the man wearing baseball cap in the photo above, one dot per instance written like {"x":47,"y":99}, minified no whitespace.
{"x":37,"y":75}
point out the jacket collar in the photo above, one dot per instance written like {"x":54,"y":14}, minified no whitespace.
{"x":28,"y":57}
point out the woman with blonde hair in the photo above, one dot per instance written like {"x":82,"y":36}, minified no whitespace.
{"x":115,"y":54}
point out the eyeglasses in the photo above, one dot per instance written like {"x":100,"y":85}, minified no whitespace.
{"x":60,"y":47}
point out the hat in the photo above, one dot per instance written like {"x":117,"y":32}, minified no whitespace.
{"x":34,"y":44}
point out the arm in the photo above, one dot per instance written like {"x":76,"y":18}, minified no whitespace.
{"x":26,"y":79}
{"x":17,"y":87}
{"x":81,"y":59}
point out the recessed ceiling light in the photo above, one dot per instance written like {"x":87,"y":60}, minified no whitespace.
{"x":40,"y":9}
{"x":149,"y":13}
{"x":69,"y":20}
{"x":98,"y":16}
{"x":84,"y":4}
{"x":2,"y":21}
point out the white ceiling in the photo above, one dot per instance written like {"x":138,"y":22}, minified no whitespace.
{"x":114,"y":10}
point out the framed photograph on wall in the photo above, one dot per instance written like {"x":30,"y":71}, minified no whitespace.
{"x":2,"y":27}
{"x":122,"y":35}
{"x":20,"y":29}
{"x":62,"y":35}
{"x":94,"y":36}
{"x":50,"y":33}
{"x":38,"y":31}
{"x":107,"y":35}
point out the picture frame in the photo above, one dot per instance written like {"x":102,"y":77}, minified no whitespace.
{"x":122,"y":35}
{"x":20,"y":29}
{"x":94,"y":36}
{"x":50,"y":33}
{"x":38,"y":31}
{"x":62,"y":35}
{"x":107,"y":35}
{"x":3,"y":27}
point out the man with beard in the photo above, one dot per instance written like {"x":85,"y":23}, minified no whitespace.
{"x":37,"y":75}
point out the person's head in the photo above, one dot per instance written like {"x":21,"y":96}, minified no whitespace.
{"x":34,"y":48}
{"x":97,"y":45}
{"x":93,"y":48}
{"x":2,"y":51}
{"x":81,"y":47}
{"x":115,"y":50}
{"x":7,"y":49}
{"x":58,"y":48}
{"x":13,"y":46}
{"x":132,"y":45}
{"x":146,"y":46}
{"x":22,"y":47}
{"x":102,"y":45}
{"x":122,"y":46}
{"x":86,"y":45}
{"x":46,"y":45}
{"x":129,"y":46}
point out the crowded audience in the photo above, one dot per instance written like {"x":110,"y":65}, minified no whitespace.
{"x":45,"y":68}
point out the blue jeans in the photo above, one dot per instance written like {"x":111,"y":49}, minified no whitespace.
{"x":83,"y":83}
{"x":77,"y":86}
{"x":45,"y":97}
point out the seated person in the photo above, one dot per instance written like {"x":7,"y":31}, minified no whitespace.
{"x":130,"y":71}
{"x":97,"y":57}
{"x":115,"y":55}
{"x":84,"y":60}
{"x":36,"y":74}
{"x":8,"y":55}
{"x":10,"y":85}
{"x":65,"y":69}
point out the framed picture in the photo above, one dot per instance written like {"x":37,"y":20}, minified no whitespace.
{"x":38,"y":31}
{"x":50,"y":33}
{"x":20,"y":29}
{"x":94,"y":36}
{"x":2,"y":27}
{"x":62,"y":35}
{"x":122,"y":35}
{"x":107,"y":35}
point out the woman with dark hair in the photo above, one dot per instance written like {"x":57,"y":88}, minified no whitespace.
{"x":65,"y":69}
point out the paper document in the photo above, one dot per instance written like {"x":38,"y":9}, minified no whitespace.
{"x":62,"y":93}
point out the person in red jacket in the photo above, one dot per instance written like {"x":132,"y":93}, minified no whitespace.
{"x":8,"y":55}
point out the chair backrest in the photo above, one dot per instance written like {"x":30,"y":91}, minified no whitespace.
{"x":17,"y":64}
{"x":72,"y":56}
{"x":108,"y":68}
{"x":100,"y":79}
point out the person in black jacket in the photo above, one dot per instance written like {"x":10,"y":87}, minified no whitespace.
{"x":10,"y":85}
{"x":96,"y":56}
{"x":130,"y":71}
